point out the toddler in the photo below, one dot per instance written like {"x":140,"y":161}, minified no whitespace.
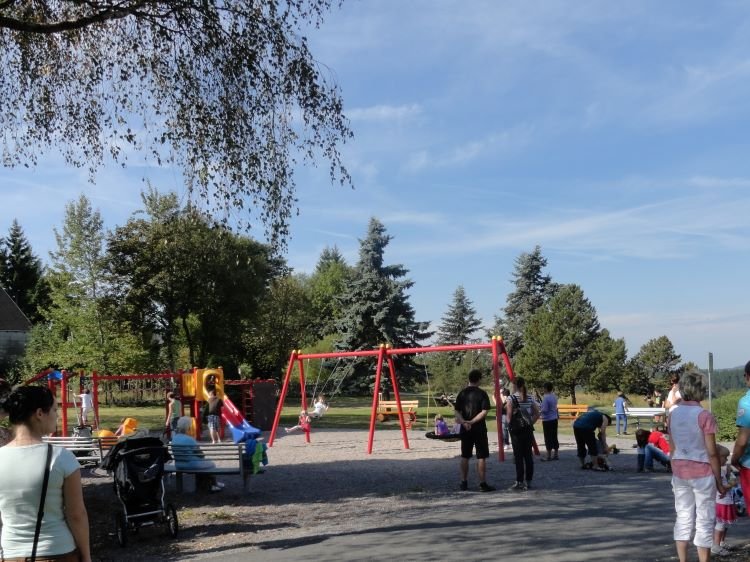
{"x":441,"y":428}
{"x":726,"y":511}
{"x":303,"y":423}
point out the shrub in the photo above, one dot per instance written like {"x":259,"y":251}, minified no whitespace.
{"x":725,"y":410}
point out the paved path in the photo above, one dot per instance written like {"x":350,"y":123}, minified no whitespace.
{"x":572,"y":515}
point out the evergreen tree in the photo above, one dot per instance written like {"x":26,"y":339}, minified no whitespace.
{"x":459,"y":323}
{"x":532,"y":290}
{"x":559,"y":338}
{"x":375,"y":310}
{"x":21,"y":274}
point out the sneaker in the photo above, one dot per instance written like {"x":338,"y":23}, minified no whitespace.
{"x":507,"y":448}
{"x":220,"y":485}
{"x":517,"y":487}
{"x":726,"y":545}
{"x":464,"y":486}
{"x":484,"y":487}
{"x":717,"y":550}
{"x":527,"y":486}
{"x":215,"y":488}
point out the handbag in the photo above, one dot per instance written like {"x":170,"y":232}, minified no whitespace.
{"x":520,"y":420}
{"x":40,"y":514}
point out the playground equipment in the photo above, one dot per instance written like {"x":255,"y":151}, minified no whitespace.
{"x":385,"y":354}
{"x":192,"y":387}
{"x":61,"y":379}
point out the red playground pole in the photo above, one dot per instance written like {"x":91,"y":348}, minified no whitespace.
{"x":304,"y":394}
{"x":499,"y":410}
{"x":374,"y":412}
{"x":64,"y":401}
{"x":282,"y":396}
{"x":394,"y":383}
{"x":95,"y":396}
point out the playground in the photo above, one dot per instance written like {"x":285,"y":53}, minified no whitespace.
{"x":330,"y":499}
{"x":358,"y":494}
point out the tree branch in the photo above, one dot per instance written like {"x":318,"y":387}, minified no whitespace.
{"x":108,"y":14}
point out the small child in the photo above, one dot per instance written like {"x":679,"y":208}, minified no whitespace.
{"x":726,"y":511}
{"x":441,"y":428}
{"x":303,"y":423}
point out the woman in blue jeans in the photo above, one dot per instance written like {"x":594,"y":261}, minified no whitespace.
{"x":619,"y":405}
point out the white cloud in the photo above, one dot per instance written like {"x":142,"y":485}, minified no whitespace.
{"x":381,"y":113}
{"x":499,"y":144}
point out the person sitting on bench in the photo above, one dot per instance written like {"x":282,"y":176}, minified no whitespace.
{"x":188,"y":455}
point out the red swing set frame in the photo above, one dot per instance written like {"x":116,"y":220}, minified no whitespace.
{"x":385,"y":354}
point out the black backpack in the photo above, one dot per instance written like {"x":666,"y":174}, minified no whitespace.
{"x":520,"y":420}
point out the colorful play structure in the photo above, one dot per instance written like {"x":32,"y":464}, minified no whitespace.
{"x":385,"y":354}
{"x":192,"y":388}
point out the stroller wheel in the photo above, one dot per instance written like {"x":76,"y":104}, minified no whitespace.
{"x":170,"y":520}
{"x":121,"y":528}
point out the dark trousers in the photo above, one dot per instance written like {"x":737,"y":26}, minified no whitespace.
{"x":550,"y":435}
{"x":524,"y":458}
{"x":586,"y":440}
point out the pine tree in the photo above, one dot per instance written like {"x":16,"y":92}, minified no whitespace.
{"x":459,"y":323}
{"x":375,"y":310}
{"x":21,"y":273}
{"x":533,"y":289}
{"x":559,"y":342}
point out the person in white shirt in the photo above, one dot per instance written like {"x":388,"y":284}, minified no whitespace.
{"x":87,"y":405}
{"x":320,"y":407}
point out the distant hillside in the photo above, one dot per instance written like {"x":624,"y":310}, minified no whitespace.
{"x":725,"y":380}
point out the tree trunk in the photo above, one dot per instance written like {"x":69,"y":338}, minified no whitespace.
{"x":573,"y":394}
{"x":189,"y":338}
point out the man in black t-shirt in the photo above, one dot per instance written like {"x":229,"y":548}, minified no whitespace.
{"x":472,"y":405}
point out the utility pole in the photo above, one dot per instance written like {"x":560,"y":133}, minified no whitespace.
{"x":710,"y":372}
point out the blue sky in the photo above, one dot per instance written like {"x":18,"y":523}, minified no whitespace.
{"x":613,"y":135}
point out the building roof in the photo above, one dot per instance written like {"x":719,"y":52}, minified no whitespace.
{"x":11,"y":317}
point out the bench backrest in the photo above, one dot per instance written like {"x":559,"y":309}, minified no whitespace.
{"x":405,"y":404}
{"x":645,"y":411}
{"x":215,"y":452}
{"x":86,"y":449}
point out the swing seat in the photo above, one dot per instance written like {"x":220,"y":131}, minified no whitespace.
{"x":450,"y":437}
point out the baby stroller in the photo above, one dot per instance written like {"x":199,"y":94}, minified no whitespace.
{"x":138,"y":467}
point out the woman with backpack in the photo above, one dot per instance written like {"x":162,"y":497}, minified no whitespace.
{"x":523,"y":412}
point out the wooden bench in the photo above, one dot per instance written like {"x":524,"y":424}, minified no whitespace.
{"x":571,"y":411}
{"x":227,"y":458}
{"x":388,"y":408}
{"x":639,"y":413}
{"x":88,"y":450}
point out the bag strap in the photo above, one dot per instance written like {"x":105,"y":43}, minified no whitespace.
{"x":40,"y":515}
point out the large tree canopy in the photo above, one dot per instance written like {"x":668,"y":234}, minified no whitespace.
{"x":228,"y":91}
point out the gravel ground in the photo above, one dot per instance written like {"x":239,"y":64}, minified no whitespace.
{"x":331,"y":490}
